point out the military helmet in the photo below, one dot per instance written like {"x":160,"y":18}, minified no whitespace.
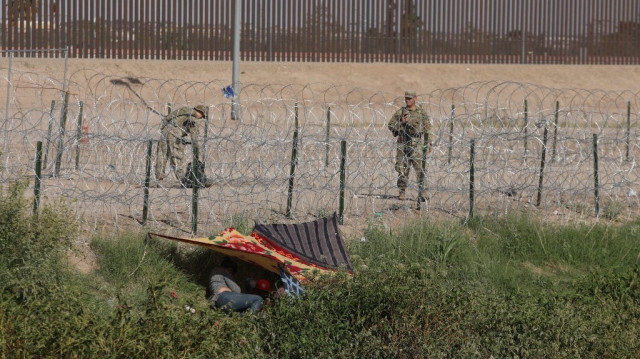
{"x":202,"y":109}
{"x":409,"y":94}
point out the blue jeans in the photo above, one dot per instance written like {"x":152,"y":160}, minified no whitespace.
{"x":239,"y":302}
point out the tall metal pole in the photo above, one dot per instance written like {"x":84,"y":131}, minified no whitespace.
{"x":236,"y":59}
{"x":6,"y":113}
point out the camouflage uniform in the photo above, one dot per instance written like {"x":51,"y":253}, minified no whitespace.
{"x":409,"y":143}
{"x":180,"y":128}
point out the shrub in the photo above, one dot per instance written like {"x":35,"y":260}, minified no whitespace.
{"x":32,"y":246}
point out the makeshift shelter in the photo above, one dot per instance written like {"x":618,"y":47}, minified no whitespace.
{"x":300,"y":249}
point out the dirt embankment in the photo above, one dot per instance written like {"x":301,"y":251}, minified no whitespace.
{"x":389,"y":78}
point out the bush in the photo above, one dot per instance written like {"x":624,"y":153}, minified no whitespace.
{"x":32,"y":246}
{"x":497,"y":288}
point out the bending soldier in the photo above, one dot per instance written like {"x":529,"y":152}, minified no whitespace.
{"x":180,"y":128}
{"x":409,"y":124}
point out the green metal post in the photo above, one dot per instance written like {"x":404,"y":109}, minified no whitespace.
{"x":78,"y":135}
{"x":453,"y":113}
{"x":195,"y":185}
{"x":628,"y":128}
{"x":555,"y":130}
{"x":36,"y":186}
{"x":542,"y":160}
{"x":343,"y":161}
{"x":423,"y":172}
{"x":471,"y":177}
{"x":326,"y":141}
{"x":63,"y":123}
{"x":526,"y":130}
{"x":206,"y":135}
{"x":294,"y":161}
{"x":595,"y":173}
{"x":46,"y":148}
{"x":147,"y":181}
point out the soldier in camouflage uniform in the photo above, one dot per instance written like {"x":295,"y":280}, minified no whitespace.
{"x":409,"y":124}
{"x":180,"y":128}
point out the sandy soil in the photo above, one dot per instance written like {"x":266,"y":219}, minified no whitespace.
{"x":392,"y":78}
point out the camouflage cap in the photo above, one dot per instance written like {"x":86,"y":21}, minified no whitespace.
{"x":201,"y":109}
{"x":409,"y":94}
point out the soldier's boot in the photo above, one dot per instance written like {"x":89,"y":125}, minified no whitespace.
{"x":188,"y":183}
{"x":401,"y":195}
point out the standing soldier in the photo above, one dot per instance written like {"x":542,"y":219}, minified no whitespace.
{"x":180,"y":128}
{"x":408,"y":124}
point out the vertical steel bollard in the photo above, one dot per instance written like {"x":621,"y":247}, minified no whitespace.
{"x":63,"y":124}
{"x":555,"y":131}
{"x":542,"y":160}
{"x":595,"y":174}
{"x":423,"y":173}
{"x":326,"y":141}
{"x":294,"y":161}
{"x":195,"y":185}
{"x":453,"y":113}
{"x":147,"y":181}
{"x":79,"y":135}
{"x":343,"y":161}
{"x":46,"y":147}
{"x":471,"y":176}
{"x":36,"y":185}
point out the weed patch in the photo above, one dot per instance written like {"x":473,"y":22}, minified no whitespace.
{"x":496,"y":287}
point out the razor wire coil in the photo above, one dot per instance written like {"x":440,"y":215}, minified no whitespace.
{"x":249,"y":160}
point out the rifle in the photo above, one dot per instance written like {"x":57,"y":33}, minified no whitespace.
{"x":404,"y":135}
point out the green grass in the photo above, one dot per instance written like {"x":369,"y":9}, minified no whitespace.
{"x":495,"y":287}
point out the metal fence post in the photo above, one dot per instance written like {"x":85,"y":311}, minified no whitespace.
{"x":595,"y":174}
{"x":471,"y":177}
{"x":555,"y":130}
{"x":195,"y":186}
{"x":49,"y":128}
{"x":294,"y":161}
{"x":526,"y":131}
{"x":628,"y":137}
{"x":326,"y":141}
{"x":423,"y":173}
{"x":147,"y":181}
{"x":36,"y":185}
{"x":78,"y":135}
{"x":6,"y":111}
{"x":453,"y":112}
{"x":63,"y":123}
{"x":343,"y":161}
{"x":237,"y":23}
{"x":544,"y":153}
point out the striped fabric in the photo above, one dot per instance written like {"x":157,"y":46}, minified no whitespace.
{"x":318,"y":242}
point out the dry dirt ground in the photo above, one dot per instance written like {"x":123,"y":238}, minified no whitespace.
{"x":386,"y":77}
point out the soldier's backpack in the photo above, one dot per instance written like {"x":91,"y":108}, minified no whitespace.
{"x":200,"y":178}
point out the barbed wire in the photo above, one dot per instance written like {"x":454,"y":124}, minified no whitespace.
{"x":102,"y":154}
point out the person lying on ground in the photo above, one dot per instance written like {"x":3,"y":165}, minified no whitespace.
{"x":226,"y":294}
